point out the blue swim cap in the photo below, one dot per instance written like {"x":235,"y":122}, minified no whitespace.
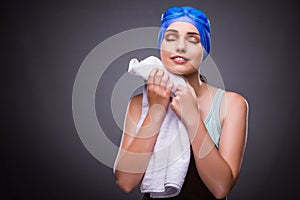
{"x":190,"y":15}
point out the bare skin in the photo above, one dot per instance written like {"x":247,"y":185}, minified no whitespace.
{"x":192,"y":105}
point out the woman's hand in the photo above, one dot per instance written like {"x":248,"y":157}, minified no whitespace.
{"x":159,"y":91}
{"x":185,"y":105}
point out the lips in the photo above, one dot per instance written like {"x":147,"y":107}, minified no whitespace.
{"x":179,"y":59}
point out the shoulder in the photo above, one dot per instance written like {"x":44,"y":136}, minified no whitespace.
{"x":235,"y":103}
{"x":236,"y":99}
{"x":230,"y":97}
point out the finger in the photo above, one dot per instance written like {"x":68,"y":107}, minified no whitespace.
{"x":164,"y":80}
{"x":189,"y":86}
{"x":170,"y":87}
{"x":180,"y":88}
{"x":174,"y":104}
{"x":158,"y":76}
{"x":178,"y":93}
{"x":151,"y":76}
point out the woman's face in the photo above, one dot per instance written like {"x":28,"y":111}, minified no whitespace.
{"x":181,"y":50}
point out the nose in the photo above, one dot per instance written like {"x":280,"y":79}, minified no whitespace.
{"x":181,"y":46}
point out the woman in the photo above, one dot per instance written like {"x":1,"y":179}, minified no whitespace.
{"x":214,"y":167}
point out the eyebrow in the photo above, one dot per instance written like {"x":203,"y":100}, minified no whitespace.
{"x":172,"y":30}
{"x":188,"y":33}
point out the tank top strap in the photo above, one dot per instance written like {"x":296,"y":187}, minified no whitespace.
{"x":216,"y":107}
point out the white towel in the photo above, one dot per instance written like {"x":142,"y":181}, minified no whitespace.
{"x":170,"y":159}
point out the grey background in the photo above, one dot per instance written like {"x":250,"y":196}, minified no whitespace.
{"x":255,"y":44}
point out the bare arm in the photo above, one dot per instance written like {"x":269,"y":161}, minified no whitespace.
{"x":135,"y":149}
{"x":219,"y":168}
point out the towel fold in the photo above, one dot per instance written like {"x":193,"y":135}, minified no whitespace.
{"x":170,"y":159}
{"x":144,"y":68}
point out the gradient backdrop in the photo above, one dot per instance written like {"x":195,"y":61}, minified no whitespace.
{"x":255,"y":44}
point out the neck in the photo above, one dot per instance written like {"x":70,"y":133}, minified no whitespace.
{"x":199,"y":86}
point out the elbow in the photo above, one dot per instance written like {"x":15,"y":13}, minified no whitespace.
{"x":222,"y":188}
{"x":221,"y":192}
{"x":220,"y":195}
{"x":124,"y":186}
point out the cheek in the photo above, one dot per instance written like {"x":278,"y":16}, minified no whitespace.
{"x":165,"y":55}
{"x":167,"y":47}
{"x":197,"y":55}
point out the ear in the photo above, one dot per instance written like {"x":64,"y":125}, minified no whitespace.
{"x":132,"y":63}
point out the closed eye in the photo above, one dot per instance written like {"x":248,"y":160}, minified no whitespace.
{"x":193,"y":39}
{"x":171,"y":37}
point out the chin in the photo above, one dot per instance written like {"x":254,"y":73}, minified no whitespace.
{"x":181,"y":69}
